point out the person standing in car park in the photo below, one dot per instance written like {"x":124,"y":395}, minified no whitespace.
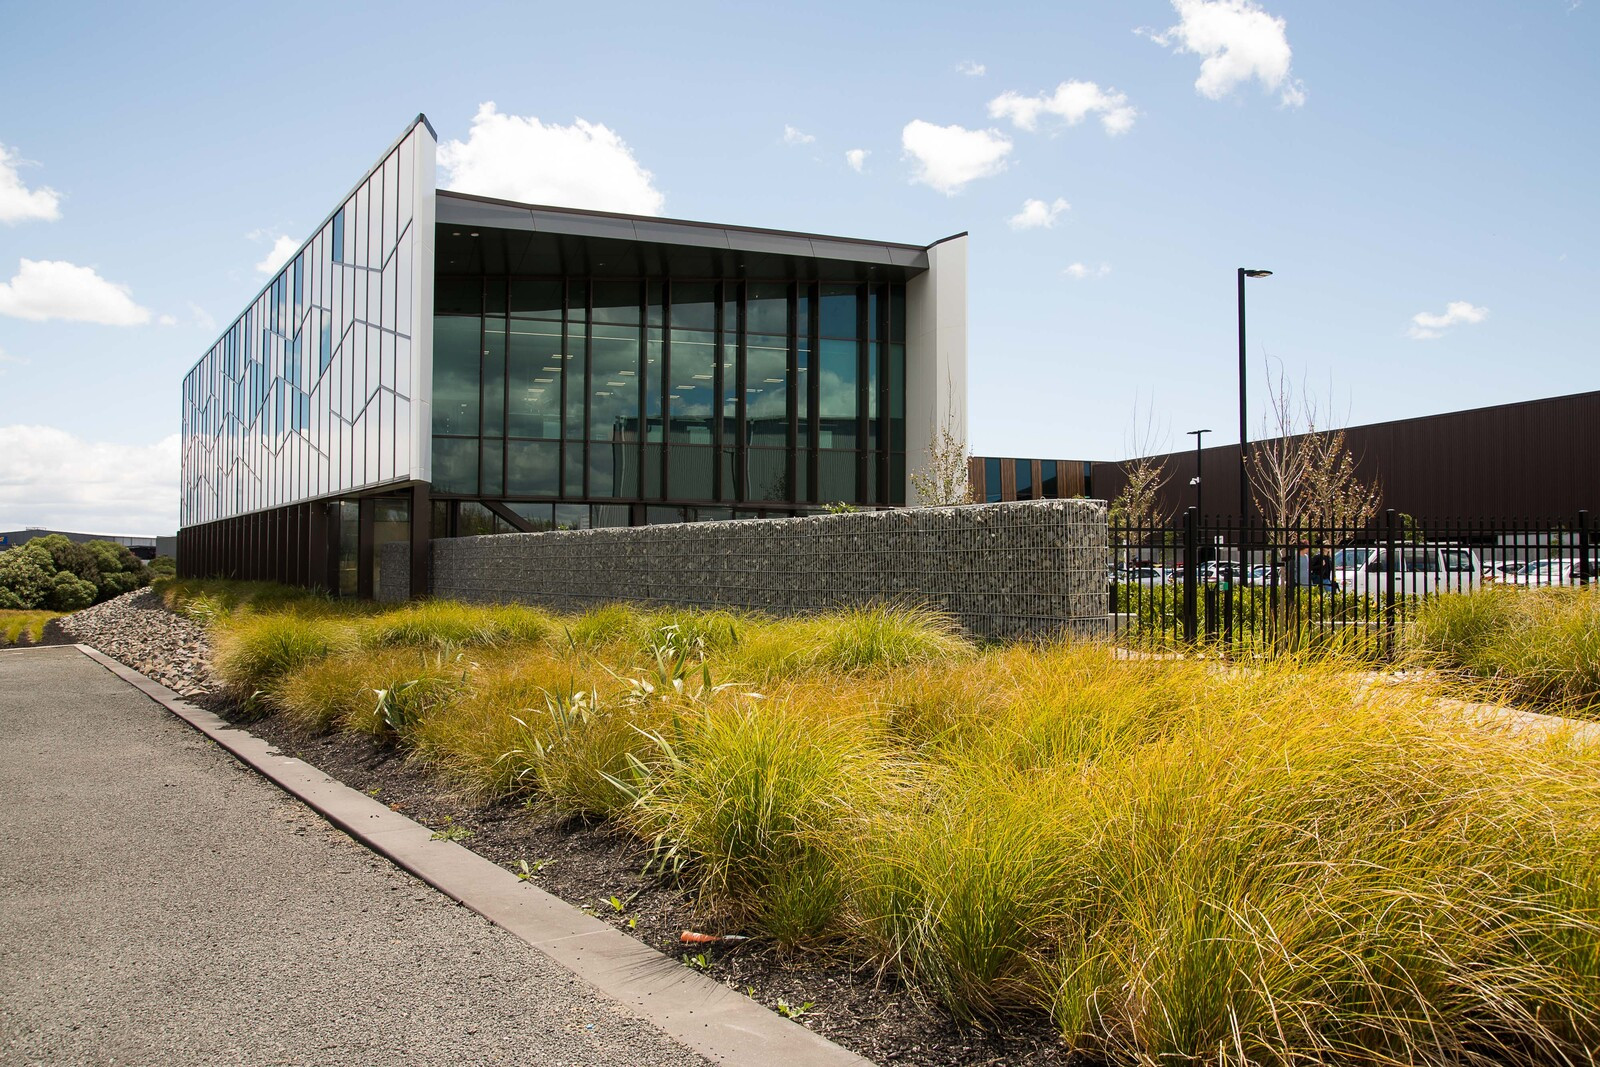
{"x":1319,"y":569}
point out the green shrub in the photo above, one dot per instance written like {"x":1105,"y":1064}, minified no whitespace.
{"x":68,"y":592}
{"x":23,"y":582}
{"x":162,"y":567}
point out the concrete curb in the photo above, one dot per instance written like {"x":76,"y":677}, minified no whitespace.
{"x":705,"y":1016}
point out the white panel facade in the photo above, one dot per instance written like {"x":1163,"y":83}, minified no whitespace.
{"x":936,"y":354}
{"x":329,"y":359}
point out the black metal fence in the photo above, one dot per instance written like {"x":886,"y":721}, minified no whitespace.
{"x":1210,"y":584}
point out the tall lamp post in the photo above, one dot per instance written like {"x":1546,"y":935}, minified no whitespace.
{"x":1199,"y":489}
{"x":1244,"y":481}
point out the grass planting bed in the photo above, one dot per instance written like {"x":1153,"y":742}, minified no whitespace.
{"x":948,"y":855}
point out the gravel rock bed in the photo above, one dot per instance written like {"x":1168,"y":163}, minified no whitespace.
{"x":137,"y":629}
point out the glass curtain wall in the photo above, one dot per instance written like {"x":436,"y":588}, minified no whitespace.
{"x":761,"y":397}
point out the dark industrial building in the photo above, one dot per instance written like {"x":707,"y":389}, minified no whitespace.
{"x":1536,"y":459}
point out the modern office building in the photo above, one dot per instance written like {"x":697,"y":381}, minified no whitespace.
{"x":433,"y":364}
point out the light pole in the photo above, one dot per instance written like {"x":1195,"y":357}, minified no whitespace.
{"x":1199,"y":489}
{"x":1244,"y":481}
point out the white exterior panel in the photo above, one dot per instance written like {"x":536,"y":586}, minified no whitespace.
{"x":289,"y":403}
{"x":936,"y":354}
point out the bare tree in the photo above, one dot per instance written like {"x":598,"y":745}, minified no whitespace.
{"x":1304,"y":477}
{"x":943,"y":481}
{"x":1140,"y":503}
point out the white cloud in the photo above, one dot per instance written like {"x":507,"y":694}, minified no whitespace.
{"x":18,"y":203}
{"x":201,"y":318}
{"x":794,"y":136}
{"x":971,"y":68}
{"x":282,"y":248}
{"x":1036,"y":214}
{"x":49,"y":477}
{"x":1425,"y":326}
{"x":949,"y":157}
{"x":50,"y":289}
{"x":1239,"y":41}
{"x":857,"y":158}
{"x":584,"y":165}
{"x":1082,"y":271}
{"x":167,"y":320}
{"x":1072,"y":101}
{"x":7,"y":357}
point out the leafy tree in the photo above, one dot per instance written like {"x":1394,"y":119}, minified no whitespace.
{"x":120,"y":570}
{"x":162,"y":567}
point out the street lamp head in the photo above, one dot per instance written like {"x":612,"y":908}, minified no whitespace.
{"x":1256,"y":273}
{"x":1194,"y":433}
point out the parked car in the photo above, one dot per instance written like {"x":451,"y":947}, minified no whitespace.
{"x":1541,"y":572}
{"x":1418,"y":570}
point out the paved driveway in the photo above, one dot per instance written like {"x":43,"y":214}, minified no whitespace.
{"x":159,"y":903}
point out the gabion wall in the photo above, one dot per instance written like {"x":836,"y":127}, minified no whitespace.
{"x":1029,"y":568}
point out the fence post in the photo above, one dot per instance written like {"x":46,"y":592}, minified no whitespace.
{"x":1190,"y":551}
{"x":1584,"y":562}
{"x":1391,"y":563}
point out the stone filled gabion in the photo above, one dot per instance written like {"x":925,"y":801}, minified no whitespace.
{"x":1017,"y":569}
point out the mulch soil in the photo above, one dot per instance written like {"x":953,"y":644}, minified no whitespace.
{"x":595,"y":868}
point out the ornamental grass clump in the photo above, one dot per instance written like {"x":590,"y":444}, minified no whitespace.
{"x":438,"y":624}
{"x":755,"y":800}
{"x":1535,"y":645}
{"x":254,"y":652}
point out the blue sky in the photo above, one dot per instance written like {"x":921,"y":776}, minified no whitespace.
{"x":1387,"y":161}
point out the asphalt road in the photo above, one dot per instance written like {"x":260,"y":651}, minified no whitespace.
{"x":159,"y":903}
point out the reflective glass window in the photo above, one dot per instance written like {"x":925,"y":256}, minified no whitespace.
{"x":694,"y":306}
{"x":1049,"y":479}
{"x":475,"y":520}
{"x":838,"y":318}
{"x":455,"y":464}
{"x":494,"y":376}
{"x":492,"y":466}
{"x":572,"y":472}
{"x":616,"y":302}
{"x":572,"y":516}
{"x":836,"y":477}
{"x":693,"y":381}
{"x":1024,"y":474}
{"x":897,"y":398}
{"x":897,"y":313}
{"x":767,"y":308}
{"x":455,"y":374}
{"x":533,"y":468}
{"x":536,"y":298}
{"x":337,"y":248}
{"x":991,"y":480}
{"x":614,"y":404}
{"x":766,"y":389}
{"x":689,"y":471}
{"x":768,"y":475}
{"x":654,"y":369}
{"x":577,"y":392}
{"x":837,"y":400}
{"x":540,"y":516}
{"x":602,"y":516}
{"x":535,"y":369}
{"x":613,"y":469}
